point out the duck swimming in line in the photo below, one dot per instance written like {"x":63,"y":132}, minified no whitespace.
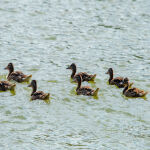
{"x":85,"y":90}
{"x":132,"y":92}
{"x":118,"y":81}
{"x":84,"y":75}
{"x":37,"y":94}
{"x":6,"y":85}
{"x":16,"y":75}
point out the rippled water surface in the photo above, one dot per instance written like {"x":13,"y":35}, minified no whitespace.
{"x":42,"y":37}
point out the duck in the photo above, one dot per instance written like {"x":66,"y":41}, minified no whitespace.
{"x":37,"y":94}
{"x":6,"y":85}
{"x":132,"y":92}
{"x":17,"y":76}
{"x":84,"y":75}
{"x":118,"y":81}
{"x":84,"y":90}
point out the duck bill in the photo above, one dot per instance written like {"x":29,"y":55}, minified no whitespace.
{"x":29,"y":85}
{"x":107,"y":72}
{"x":6,"y":68}
{"x":68,"y":67}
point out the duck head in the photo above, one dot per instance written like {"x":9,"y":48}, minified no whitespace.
{"x":126,"y":81}
{"x":10,"y":67}
{"x":73,"y":68}
{"x":32,"y":84}
{"x":110,"y":71}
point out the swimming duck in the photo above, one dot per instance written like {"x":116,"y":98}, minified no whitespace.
{"x":132,"y":92}
{"x":84,"y":75}
{"x":6,"y":85}
{"x":16,"y":75}
{"x":118,"y":81}
{"x":85,"y":90}
{"x":37,"y":94}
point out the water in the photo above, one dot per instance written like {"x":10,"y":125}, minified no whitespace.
{"x":41,"y":38}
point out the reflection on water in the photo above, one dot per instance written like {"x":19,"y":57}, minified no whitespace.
{"x":41,"y":38}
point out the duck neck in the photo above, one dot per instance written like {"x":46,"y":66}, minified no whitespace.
{"x":11,"y":70}
{"x":111,"y":76}
{"x":125,"y":89}
{"x":34,"y":88}
{"x":79,"y":85}
{"x":73,"y":72}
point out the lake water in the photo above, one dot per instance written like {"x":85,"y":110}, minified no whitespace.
{"x":42,"y":37}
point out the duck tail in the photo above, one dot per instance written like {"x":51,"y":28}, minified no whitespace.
{"x":145,"y":93}
{"x":130,"y":84}
{"x":12,"y":86}
{"x":47,"y":96}
{"x":27,"y":78}
{"x":96,"y":92}
{"x":93,"y":77}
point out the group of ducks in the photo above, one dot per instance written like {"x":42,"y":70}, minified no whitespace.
{"x":18,"y":76}
{"x":120,"y":82}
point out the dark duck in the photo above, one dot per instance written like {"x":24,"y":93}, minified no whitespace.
{"x":84,"y":90}
{"x":132,"y":92}
{"x":6,"y":85}
{"x":17,"y":76}
{"x":118,"y":81}
{"x":37,"y":94}
{"x":84,"y":75}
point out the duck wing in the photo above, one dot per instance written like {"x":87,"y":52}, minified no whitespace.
{"x":117,"y":79}
{"x":6,"y":85}
{"x":3,"y":86}
{"x":135,"y":92}
{"x":86,"y":90}
{"x":39,"y":95}
{"x":19,"y":73}
{"x":139,"y":92}
{"x":17,"y":76}
{"x":86,"y":77}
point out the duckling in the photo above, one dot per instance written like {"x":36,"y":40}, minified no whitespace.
{"x":37,"y":94}
{"x":84,"y":75}
{"x":85,"y":90}
{"x":16,"y":75}
{"x":118,"y":81}
{"x":6,"y":85}
{"x":132,"y":92}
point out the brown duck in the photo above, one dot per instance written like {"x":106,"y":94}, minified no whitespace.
{"x":84,"y":75}
{"x":6,"y":85}
{"x":85,"y":90}
{"x":118,"y":81}
{"x":16,"y":75}
{"x":132,"y":92}
{"x":37,"y":94}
